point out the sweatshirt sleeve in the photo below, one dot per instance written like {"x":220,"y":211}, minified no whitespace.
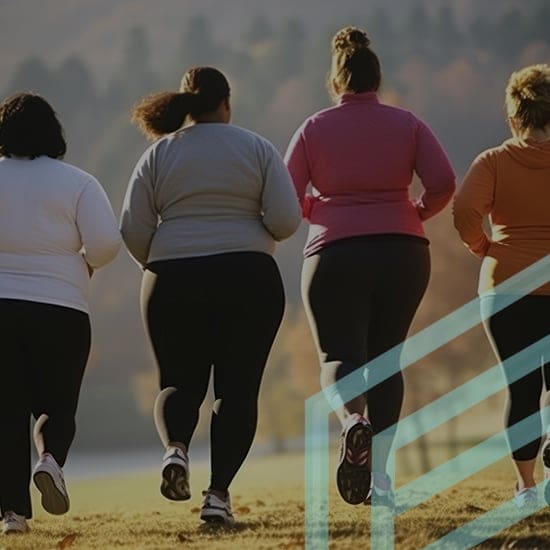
{"x":298,"y":166}
{"x":97,"y":225}
{"x":139,"y":218}
{"x":435,"y":172}
{"x":473,"y":201}
{"x":281,"y":211}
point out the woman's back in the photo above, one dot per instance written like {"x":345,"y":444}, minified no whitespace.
{"x":38,"y":201}
{"x":212,"y":188}
{"x":511,"y":184}
{"x":361,"y":148}
{"x":521,"y":172}
{"x":50,"y":211}
{"x":360,"y":156}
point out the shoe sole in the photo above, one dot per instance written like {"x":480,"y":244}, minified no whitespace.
{"x":14,"y":532}
{"x":53,"y":500}
{"x":546,"y":456}
{"x":175,"y":483}
{"x":546,"y":464}
{"x":354,"y":481}
{"x":217,"y":518}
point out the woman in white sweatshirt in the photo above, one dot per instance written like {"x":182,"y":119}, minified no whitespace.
{"x":203,"y":210}
{"x":56,"y":227}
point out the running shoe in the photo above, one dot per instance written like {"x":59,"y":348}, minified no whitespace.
{"x":216,"y":509}
{"x":381,"y":493}
{"x":526,"y":498}
{"x":545,"y":454}
{"x":175,"y":475}
{"x":353,"y":476}
{"x":48,"y":478}
{"x":13,"y":524}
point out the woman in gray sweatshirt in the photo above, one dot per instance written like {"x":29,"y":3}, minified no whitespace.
{"x":203,"y":210}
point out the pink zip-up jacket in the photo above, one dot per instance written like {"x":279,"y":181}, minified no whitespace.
{"x":359,"y":157}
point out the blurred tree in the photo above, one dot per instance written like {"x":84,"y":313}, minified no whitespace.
{"x":385,"y":41}
{"x":197,"y":45}
{"x":417,"y":33}
{"x":74,"y":92}
{"x":75,"y":88}
{"x":32,"y":74}
{"x":481,"y":32}
{"x":447,"y":37}
{"x":259,"y":31}
{"x":511,"y":33}
{"x":136,"y":77}
{"x":288,"y":58}
{"x":538,"y":23}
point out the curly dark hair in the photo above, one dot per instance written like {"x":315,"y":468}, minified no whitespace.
{"x":202,"y":90}
{"x":29,"y":127}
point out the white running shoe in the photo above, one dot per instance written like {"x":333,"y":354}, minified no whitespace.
{"x":175,"y":475}
{"x":381,"y":491}
{"x":526,"y":498}
{"x":216,"y":509}
{"x":48,"y":478}
{"x":353,"y":475}
{"x":545,"y":455}
{"x":13,"y":524}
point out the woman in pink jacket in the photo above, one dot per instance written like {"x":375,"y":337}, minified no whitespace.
{"x":367,"y":260}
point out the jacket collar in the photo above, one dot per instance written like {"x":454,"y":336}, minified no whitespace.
{"x":363,"y":97}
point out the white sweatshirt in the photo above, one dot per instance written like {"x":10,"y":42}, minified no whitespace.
{"x":53,"y":219}
{"x":208,"y":189}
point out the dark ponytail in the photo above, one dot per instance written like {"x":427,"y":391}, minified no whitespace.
{"x":202,"y":91}
{"x":355,"y":67}
{"x":162,"y":113}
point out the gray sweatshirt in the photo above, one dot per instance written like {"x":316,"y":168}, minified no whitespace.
{"x":208,"y":189}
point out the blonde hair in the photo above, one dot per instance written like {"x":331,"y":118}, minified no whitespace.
{"x":528,"y":97}
{"x":355,"y":67}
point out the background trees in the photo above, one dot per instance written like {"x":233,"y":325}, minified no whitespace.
{"x":448,"y":62}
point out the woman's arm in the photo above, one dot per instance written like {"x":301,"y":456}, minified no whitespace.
{"x":281,"y":211}
{"x":435,"y":172}
{"x":97,"y":225}
{"x":298,"y":166}
{"x":139,"y":218}
{"x":473,"y":201}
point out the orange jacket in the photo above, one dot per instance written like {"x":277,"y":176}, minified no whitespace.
{"x":511,"y":185}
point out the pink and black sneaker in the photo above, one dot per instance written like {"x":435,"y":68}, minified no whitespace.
{"x":353,"y":476}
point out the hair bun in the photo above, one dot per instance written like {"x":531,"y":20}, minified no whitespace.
{"x":350,"y":40}
{"x":531,"y":83}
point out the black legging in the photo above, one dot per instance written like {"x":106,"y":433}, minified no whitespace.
{"x":361,"y":295}
{"x":510,"y":331}
{"x":222,"y":311}
{"x":44,"y":352}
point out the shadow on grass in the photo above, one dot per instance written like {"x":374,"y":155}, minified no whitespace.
{"x":531,"y":542}
{"x":237,"y":527}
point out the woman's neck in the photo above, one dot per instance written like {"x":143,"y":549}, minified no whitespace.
{"x":208,"y":117}
{"x":537,"y":134}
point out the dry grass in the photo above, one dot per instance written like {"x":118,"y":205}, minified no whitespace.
{"x":129,"y":513}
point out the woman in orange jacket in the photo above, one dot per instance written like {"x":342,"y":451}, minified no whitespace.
{"x":511,"y":185}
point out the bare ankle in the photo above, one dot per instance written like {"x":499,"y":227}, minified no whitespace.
{"x":178,"y":445}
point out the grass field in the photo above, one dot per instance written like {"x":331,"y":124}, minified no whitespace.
{"x":128,"y":512}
